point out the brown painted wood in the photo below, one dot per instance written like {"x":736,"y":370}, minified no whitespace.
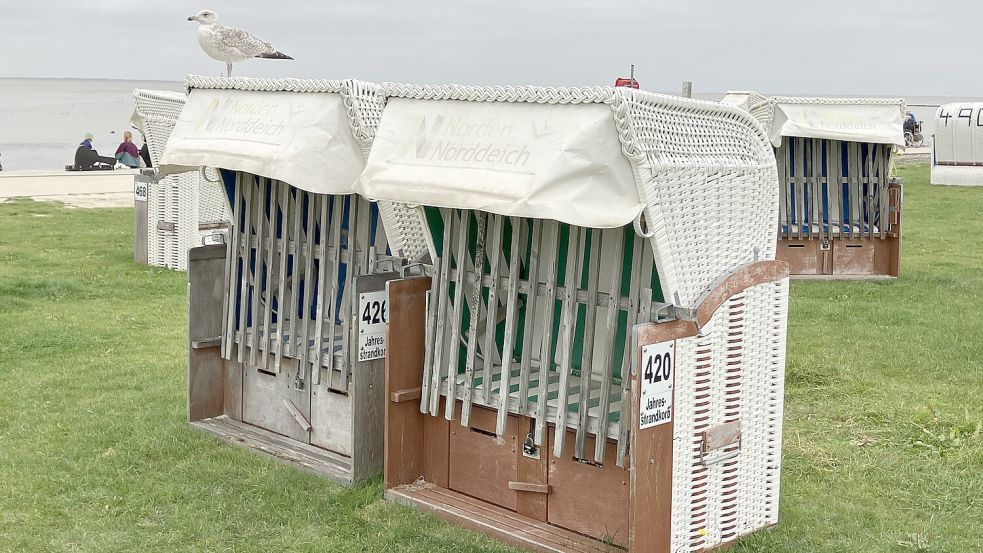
{"x":588,"y":498}
{"x":436,"y":446}
{"x":532,"y":472}
{"x":404,"y":432}
{"x":802,"y":256}
{"x":305,"y":457}
{"x":743,"y":278}
{"x":530,"y":487}
{"x":650,"y":511}
{"x":497,"y":522}
{"x":206,"y":374}
{"x":233,"y":390}
{"x":482,"y":464}
{"x":405,"y":395}
{"x":721,"y":436}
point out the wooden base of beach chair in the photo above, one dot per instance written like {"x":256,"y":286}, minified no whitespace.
{"x":330,"y":426}
{"x":842,"y":259}
{"x":501,"y":484}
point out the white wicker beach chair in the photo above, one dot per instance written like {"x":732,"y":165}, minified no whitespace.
{"x":957,"y":147}
{"x":182,"y":208}
{"x":664,"y":209}
{"x":857,"y":230}
{"x":279,"y":305}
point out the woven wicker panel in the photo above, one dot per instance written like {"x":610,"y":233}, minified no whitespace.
{"x":732,"y":372}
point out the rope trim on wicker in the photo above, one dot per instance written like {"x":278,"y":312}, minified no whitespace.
{"x":363,"y":101}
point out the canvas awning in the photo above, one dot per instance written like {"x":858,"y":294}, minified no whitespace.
{"x":875,"y":120}
{"x":304,"y":139}
{"x":560,"y":162}
{"x":880,"y":123}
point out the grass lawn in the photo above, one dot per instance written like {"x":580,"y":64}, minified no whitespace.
{"x":883,"y":436}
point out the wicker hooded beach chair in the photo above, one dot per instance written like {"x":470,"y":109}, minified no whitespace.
{"x":182,"y":208}
{"x":597,"y":353}
{"x":840,"y":209}
{"x":957,"y":147}
{"x":277,"y":361}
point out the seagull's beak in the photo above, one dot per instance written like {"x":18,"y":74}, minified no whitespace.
{"x":192,"y":18}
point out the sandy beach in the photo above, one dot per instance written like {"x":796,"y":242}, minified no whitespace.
{"x":81,"y":189}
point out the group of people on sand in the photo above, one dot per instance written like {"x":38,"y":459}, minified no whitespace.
{"x":127,"y":154}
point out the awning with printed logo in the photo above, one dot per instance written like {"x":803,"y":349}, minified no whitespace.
{"x":304,"y":139}
{"x":561,"y":162}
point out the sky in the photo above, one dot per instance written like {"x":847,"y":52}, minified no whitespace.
{"x":862,"y":47}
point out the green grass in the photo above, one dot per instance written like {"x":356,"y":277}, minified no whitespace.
{"x":884,"y":408}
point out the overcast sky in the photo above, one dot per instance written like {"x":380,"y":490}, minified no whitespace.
{"x":897,"y":47}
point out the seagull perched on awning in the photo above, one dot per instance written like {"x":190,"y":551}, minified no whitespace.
{"x":229,"y":44}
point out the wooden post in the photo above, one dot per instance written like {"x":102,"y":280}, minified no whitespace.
{"x":206,"y":368}
{"x":141,"y":190}
{"x":403,"y":455}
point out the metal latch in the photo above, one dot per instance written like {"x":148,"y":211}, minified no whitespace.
{"x":825,"y":245}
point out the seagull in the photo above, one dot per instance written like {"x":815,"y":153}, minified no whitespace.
{"x":229,"y":44}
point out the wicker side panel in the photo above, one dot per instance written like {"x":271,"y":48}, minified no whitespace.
{"x":733,"y":371}
{"x":406,"y":227}
{"x":706,"y":222}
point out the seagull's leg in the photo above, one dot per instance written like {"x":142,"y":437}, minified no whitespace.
{"x":228,"y":67}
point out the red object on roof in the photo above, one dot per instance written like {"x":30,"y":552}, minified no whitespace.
{"x":630,"y":83}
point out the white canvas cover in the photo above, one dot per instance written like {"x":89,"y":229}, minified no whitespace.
{"x":301,"y":139}
{"x":874,"y":120}
{"x":866,"y":122}
{"x":561,"y":162}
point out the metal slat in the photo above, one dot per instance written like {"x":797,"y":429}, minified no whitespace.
{"x":322,"y":271}
{"x":551,"y":235}
{"x":453,"y":361}
{"x":270,"y":238}
{"x":440,"y":340}
{"x":491,"y":315}
{"x":295,"y":276}
{"x":853,"y":180}
{"x":626,"y":360}
{"x":337,"y":206}
{"x":529,"y":323}
{"x":882,"y":197}
{"x":349,"y":300}
{"x":569,"y":318}
{"x":834,"y":186}
{"x":260,"y":222}
{"x":305,"y":317}
{"x":284,"y":253}
{"x":245,"y":252}
{"x":508,"y":343}
{"x":587,"y":360}
{"x":231,"y":266}
{"x":474,"y":306}
{"x":607,"y":351}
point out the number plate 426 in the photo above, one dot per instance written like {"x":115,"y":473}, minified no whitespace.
{"x":657,"y":379}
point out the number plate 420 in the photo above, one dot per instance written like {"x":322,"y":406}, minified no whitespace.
{"x":657,"y":379}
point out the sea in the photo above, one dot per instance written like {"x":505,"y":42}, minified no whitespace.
{"x":42,"y":121}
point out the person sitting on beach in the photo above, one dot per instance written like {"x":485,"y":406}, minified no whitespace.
{"x":87,"y":157}
{"x":127,"y":152}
